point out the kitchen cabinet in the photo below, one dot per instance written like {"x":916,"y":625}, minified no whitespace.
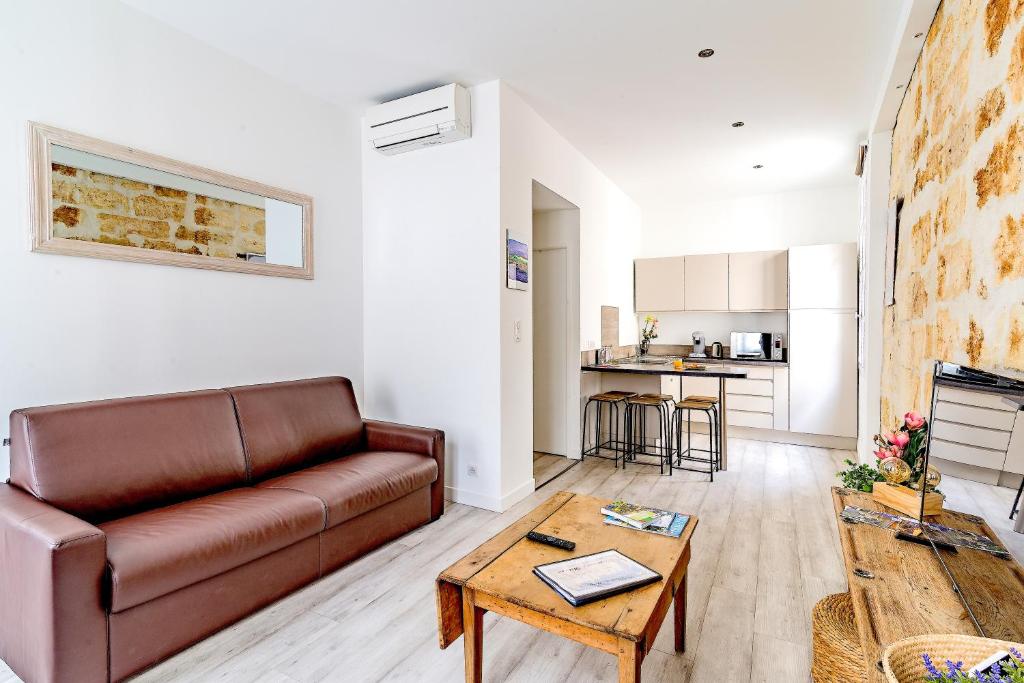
{"x":759,"y":281}
{"x":658,"y":284}
{"x":823,"y":372}
{"x":780,"y":399}
{"x":707,"y":282}
{"x":979,"y":429}
{"x":823,"y":276}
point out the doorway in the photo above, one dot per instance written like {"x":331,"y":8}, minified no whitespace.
{"x":555,"y":297}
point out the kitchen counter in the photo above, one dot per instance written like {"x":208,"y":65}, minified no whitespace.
{"x":661,"y":369}
{"x":625,"y":366}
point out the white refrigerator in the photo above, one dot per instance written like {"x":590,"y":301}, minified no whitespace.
{"x":823,"y":339}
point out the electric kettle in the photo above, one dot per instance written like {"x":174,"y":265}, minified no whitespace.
{"x":716,"y":350}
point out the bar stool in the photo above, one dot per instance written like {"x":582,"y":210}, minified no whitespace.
{"x":688,"y":406}
{"x":614,"y":401}
{"x":636,"y":421}
{"x":713,"y":400}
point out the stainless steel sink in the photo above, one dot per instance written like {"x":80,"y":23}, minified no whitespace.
{"x":647,"y":360}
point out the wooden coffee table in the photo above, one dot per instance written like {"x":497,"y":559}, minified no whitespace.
{"x":498,"y":577}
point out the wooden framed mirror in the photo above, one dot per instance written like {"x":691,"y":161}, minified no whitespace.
{"x":99,"y":199}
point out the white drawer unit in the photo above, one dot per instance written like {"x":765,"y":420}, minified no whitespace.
{"x":753,"y":371}
{"x":749,"y":387}
{"x":759,"y":404}
{"x":969,"y":455}
{"x":744,"y":418}
{"x":979,"y":429}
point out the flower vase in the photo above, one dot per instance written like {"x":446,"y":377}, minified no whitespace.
{"x":645,"y":346}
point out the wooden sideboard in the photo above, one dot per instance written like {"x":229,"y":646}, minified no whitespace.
{"x":909,"y":592}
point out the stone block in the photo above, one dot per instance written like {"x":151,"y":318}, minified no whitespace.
{"x":64,"y":191}
{"x":100,"y":198}
{"x":123,"y":226}
{"x":1008,"y":249}
{"x":953,"y":270}
{"x":170,"y":192}
{"x":146,"y":206}
{"x":69,"y":171}
{"x":134,"y":185}
{"x":216,"y":217}
{"x":68,"y":215}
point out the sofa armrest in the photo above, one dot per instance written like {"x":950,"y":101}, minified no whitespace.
{"x":390,"y":436}
{"x":53,"y":624}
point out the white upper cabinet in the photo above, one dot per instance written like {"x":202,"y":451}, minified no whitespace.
{"x":758,"y":281}
{"x":823,"y":276}
{"x":658,"y":284}
{"x":707,"y":282}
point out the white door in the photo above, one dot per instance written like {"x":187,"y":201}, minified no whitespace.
{"x":823,"y":372}
{"x":550,"y":349}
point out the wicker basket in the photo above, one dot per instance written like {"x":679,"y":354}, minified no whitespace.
{"x":837,"y":654}
{"x":902,"y":660}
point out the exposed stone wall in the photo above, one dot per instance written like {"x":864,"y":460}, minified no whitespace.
{"x":957,"y":163}
{"x":96,"y":207}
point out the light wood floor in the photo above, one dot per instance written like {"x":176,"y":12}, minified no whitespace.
{"x":547,"y":466}
{"x":765,"y":550}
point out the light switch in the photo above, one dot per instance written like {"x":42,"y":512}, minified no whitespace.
{"x":517,"y":330}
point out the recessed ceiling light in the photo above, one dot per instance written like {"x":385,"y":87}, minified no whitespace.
{"x":737,"y":124}
{"x":706,"y":52}
{"x":918,"y":35}
{"x":758,"y":165}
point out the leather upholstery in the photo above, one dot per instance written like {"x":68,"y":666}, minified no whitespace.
{"x":131,"y":528}
{"x":144,"y":635}
{"x":360,"y":482}
{"x":156,"y":552}
{"x":103,"y":459}
{"x":389,"y":436}
{"x":53,"y":626}
{"x":288,"y":425}
{"x":351,"y":540}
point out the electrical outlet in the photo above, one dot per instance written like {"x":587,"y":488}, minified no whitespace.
{"x":471,"y":470}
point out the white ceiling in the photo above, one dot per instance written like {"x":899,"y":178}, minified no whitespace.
{"x":619,"y":78}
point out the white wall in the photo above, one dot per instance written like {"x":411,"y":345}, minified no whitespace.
{"x":77,"y":328}
{"x":757,"y":222}
{"x":433,"y":266}
{"x":609,"y":240}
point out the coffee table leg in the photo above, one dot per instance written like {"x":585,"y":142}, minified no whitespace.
{"x":680,"y":616}
{"x":630,"y":659}
{"x":473,"y":637}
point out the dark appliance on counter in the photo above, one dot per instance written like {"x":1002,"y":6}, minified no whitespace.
{"x":716,"y":350}
{"x":756,"y":345}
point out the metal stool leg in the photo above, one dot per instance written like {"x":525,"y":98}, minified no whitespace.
{"x":1016,"y":501}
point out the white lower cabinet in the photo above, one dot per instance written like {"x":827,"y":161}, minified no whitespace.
{"x":760,"y":400}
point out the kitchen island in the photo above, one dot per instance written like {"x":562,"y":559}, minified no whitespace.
{"x":656,"y":368}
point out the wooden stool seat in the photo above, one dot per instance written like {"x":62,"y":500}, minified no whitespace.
{"x":645,"y":400}
{"x":661,"y":397}
{"x":620,"y":394}
{"x":837,"y":653}
{"x":692,"y":404}
{"x":705,"y":399}
{"x":607,"y":397}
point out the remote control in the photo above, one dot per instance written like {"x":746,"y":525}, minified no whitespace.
{"x":551,"y":540}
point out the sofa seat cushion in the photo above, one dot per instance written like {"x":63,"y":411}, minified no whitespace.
{"x":360,"y":482}
{"x":159,"y":551}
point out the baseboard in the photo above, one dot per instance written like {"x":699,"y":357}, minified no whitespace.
{"x":839,"y":443}
{"x":518,"y":493}
{"x":473,"y":499}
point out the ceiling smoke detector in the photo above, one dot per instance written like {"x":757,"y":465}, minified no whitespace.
{"x":737,"y":124}
{"x":706,"y":52}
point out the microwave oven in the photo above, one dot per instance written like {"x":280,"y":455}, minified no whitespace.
{"x":756,"y":345}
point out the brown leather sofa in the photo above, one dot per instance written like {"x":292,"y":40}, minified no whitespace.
{"x":132,"y":528}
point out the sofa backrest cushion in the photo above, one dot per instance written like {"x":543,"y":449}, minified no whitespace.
{"x":289,"y":425}
{"x":103,"y":459}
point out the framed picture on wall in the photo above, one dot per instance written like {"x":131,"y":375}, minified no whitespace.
{"x":517,"y":263}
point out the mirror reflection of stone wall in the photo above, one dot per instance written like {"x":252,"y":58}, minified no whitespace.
{"x":96,"y":207}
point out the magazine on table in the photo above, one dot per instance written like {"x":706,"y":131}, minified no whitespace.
{"x":584,"y":579}
{"x":670,"y":524}
{"x":937,"y":532}
{"x":645,"y":518}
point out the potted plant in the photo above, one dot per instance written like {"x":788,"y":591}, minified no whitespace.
{"x":897,"y":477}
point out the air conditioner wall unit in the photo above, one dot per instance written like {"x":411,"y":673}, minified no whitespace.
{"x":432,"y":117}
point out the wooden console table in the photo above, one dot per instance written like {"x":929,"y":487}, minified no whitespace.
{"x":910,"y":593}
{"x":498,"y":577}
